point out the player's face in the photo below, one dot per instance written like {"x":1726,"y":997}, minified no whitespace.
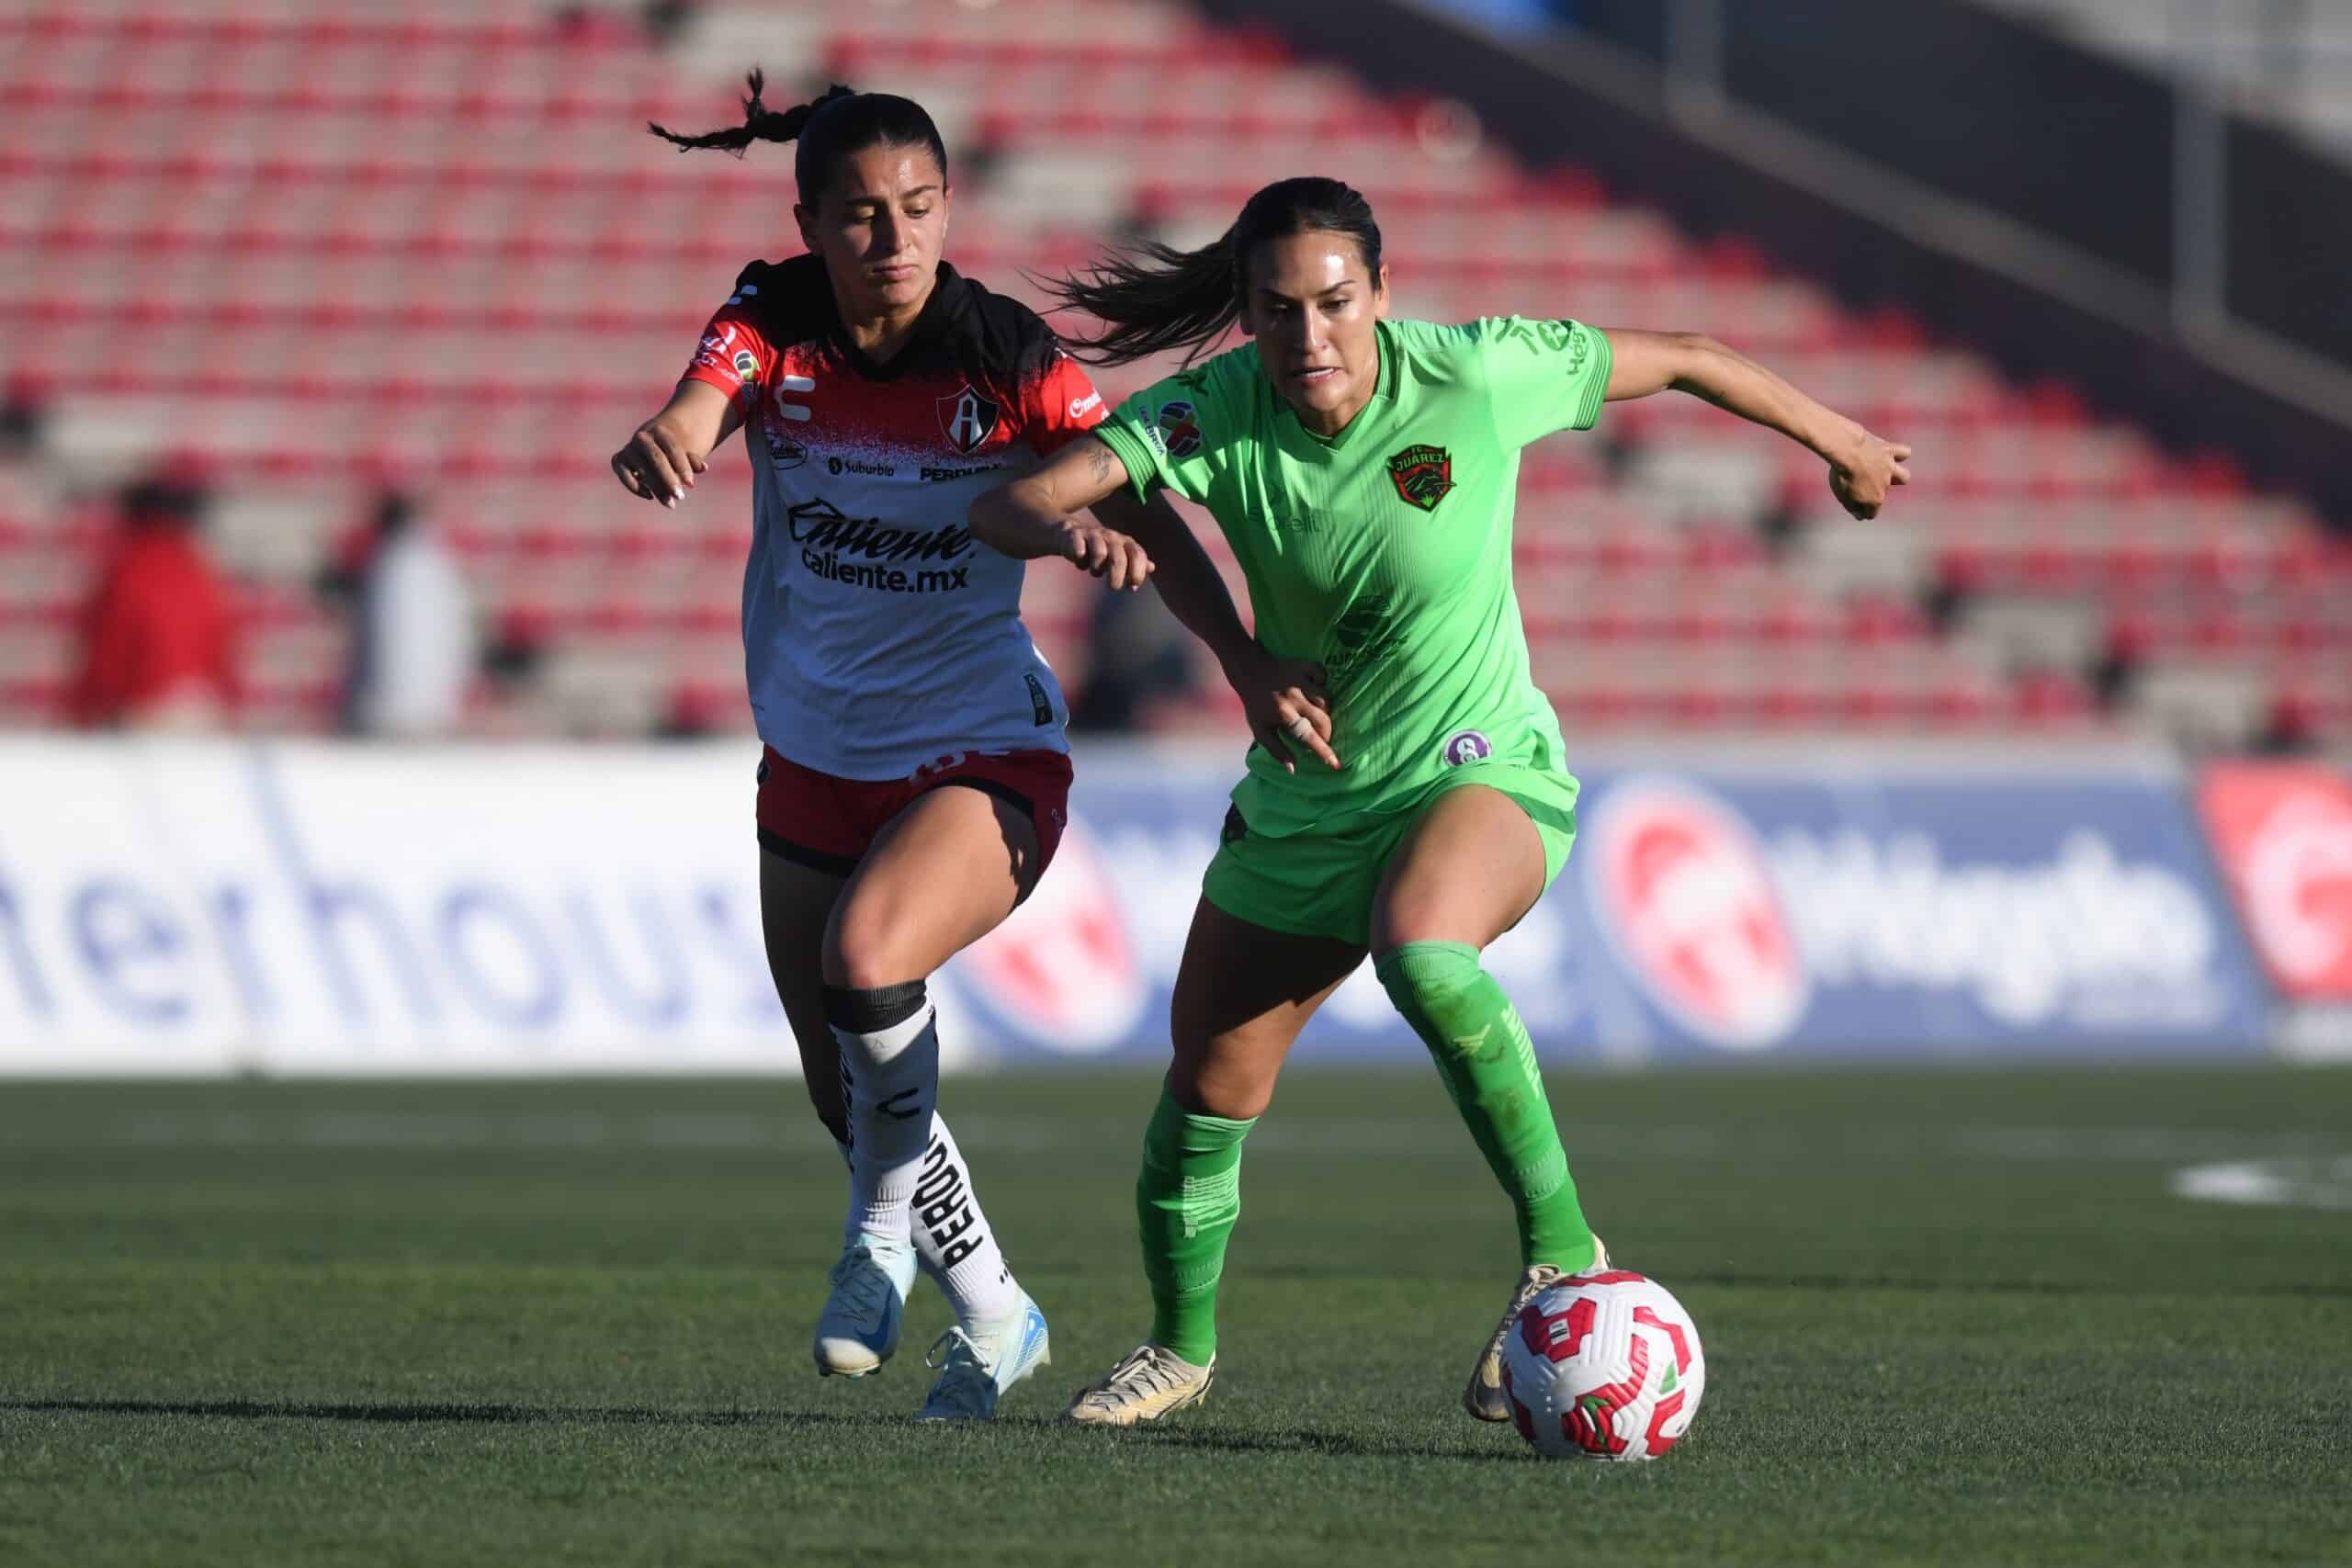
{"x":1311,"y":305}
{"x":880,"y":227}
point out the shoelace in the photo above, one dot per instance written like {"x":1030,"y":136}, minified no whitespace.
{"x":1142,"y":1372}
{"x":1530,"y":1285}
{"x":965,"y":1381}
{"x":867,"y":1284}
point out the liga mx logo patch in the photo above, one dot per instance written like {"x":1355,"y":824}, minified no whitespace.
{"x":1423,"y":475}
{"x":967,"y":419}
{"x":1464,"y":747}
{"x":1180,"y":429}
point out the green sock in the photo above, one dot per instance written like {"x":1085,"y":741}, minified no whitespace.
{"x":1488,"y":1064}
{"x":1186,"y":1201}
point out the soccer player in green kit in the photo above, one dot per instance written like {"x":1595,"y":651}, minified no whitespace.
{"x":1365,"y":471}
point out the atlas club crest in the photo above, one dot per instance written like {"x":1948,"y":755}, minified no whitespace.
{"x":967,"y":419}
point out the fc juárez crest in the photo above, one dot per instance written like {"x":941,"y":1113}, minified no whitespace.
{"x":1423,"y":475}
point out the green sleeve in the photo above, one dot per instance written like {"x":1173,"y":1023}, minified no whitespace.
{"x":1542,"y":375}
{"x":1168,"y":434}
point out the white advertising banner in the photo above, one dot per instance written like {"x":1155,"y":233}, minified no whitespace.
{"x":193,"y":907}
{"x":312,"y":906}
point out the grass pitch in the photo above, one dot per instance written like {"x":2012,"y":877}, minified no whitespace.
{"x":1948,"y":1319}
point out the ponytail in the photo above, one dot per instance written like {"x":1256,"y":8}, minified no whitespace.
{"x":760,"y":122}
{"x":1154,"y":299}
{"x":1158,"y":298}
{"x":837,"y":122}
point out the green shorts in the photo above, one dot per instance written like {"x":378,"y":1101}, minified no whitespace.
{"x":1322,"y":881}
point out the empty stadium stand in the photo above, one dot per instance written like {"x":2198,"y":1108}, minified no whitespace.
{"x":310,"y":256}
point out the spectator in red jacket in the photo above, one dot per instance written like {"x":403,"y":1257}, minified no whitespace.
{"x":159,"y":632}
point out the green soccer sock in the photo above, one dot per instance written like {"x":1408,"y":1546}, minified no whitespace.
{"x":1186,"y":1201}
{"x":1488,"y":1064}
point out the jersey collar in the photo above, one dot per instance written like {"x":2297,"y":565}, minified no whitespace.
{"x":947,"y":294}
{"x":1384,"y":389}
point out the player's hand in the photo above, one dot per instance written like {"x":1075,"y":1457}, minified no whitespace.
{"x":656,"y":465}
{"x":1288,"y":704}
{"x":1861,"y":481}
{"x":1105,"y":553}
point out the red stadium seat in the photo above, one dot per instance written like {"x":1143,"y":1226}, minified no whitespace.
{"x":359,"y":249}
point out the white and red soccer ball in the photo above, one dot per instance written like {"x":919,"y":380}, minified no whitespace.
{"x":1604,"y":1366}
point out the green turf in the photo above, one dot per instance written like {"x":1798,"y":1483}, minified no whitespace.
{"x":1948,"y":1319}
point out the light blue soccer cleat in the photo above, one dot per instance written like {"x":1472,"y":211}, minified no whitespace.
{"x":976,"y":1369}
{"x":858,"y":1330}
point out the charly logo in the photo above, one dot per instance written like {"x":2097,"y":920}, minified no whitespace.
{"x":967,"y":419}
{"x":746,"y":366}
{"x":1180,"y":428}
{"x":1423,"y":475}
{"x":1464,"y":747}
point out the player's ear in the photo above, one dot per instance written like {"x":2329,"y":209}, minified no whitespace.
{"x":806,"y":217}
{"x":1380,"y":291}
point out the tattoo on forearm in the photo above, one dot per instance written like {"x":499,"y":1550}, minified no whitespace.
{"x":1103,"y":462}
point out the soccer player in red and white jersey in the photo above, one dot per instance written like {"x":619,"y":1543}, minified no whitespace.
{"x":915,"y":775}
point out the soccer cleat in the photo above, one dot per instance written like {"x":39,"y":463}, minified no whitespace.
{"x":1484,"y":1398}
{"x":1150,"y":1384}
{"x":978,"y":1367}
{"x":858,"y":1330}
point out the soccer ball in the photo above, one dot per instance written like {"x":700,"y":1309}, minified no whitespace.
{"x":1603,"y":1366}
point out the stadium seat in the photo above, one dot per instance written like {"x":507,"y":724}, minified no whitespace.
{"x":374,"y":244}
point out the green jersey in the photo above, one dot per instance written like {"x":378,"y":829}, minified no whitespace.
{"x":1383,"y":553}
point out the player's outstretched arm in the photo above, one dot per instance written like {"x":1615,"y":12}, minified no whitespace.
{"x":665,"y":454}
{"x":1038,"y":515}
{"x":1043,"y":514}
{"x":1284,"y":699}
{"x":1863,"y":467}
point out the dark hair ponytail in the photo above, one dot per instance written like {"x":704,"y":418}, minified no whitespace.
{"x":1158,"y":298}
{"x":833,"y":125}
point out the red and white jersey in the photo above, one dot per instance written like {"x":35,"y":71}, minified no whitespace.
{"x":878,"y":635}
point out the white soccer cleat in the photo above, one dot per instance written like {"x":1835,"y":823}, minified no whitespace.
{"x":1151,"y":1382}
{"x":1485,"y":1398}
{"x":858,"y":1330}
{"x":976,"y":1366}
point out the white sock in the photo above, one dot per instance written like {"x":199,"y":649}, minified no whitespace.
{"x":891,"y":1079}
{"x":953,"y":1238}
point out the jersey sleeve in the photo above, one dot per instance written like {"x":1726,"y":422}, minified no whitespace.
{"x":1059,"y":404}
{"x":734,"y":354}
{"x":1172,"y":434}
{"x":1542,"y":376}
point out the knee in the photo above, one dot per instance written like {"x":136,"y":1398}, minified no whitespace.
{"x":1205,"y":1087}
{"x":871,"y":944}
{"x":1417,"y":914}
{"x":1422,"y":978}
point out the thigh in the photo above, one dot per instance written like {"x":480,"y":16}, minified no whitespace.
{"x":1242,"y":995}
{"x":1469,"y":867}
{"x":795,"y":904}
{"x":941,"y":874}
